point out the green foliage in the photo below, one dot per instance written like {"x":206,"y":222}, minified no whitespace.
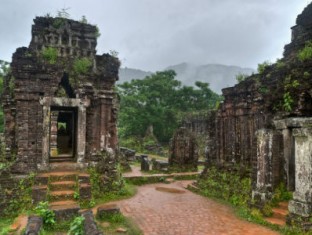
{"x":97,"y":32}
{"x":281,"y":194}
{"x":47,"y":215}
{"x":82,"y":66}
{"x":288,"y":102}
{"x":263,"y":90}
{"x":4,"y":70}
{"x":267,"y":210}
{"x":241,"y":77}
{"x":76,"y":195}
{"x":117,"y":220}
{"x":5,"y":226}
{"x":306,"y":53}
{"x":306,"y":74}
{"x":50,"y":54}
{"x":280,"y":64}
{"x":58,"y":22}
{"x":230,"y":187}
{"x":262,"y":67}
{"x":23,"y":199}
{"x":159,"y":101}
{"x":76,"y":227}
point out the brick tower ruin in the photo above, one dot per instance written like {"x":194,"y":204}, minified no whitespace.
{"x":59,"y":101}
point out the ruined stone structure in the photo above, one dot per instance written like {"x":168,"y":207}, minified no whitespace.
{"x":59,"y":102}
{"x":183,"y":151}
{"x":264,"y":124}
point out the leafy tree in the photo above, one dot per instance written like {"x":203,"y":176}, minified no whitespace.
{"x":4,"y":70}
{"x":161,"y":101}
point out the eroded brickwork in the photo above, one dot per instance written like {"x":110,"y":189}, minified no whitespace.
{"x":60,"y":71}
{"x":183,"y":151}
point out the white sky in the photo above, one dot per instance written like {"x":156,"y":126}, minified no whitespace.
{"x":153,"y":34}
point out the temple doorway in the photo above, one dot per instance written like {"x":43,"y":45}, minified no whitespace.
{"x":63,"y":134}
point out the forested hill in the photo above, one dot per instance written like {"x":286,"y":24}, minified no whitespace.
{"x":217,"y":75}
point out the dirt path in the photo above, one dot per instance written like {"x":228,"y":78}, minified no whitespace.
{"x":158,"y":210}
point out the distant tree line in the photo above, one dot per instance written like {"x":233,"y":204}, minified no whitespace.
{"x":159,"y":100}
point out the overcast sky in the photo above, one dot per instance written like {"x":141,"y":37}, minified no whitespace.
{"x":153,"y":34}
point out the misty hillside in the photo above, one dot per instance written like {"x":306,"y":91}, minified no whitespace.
{"x":127,"y":74}
{"x":217,"y":75}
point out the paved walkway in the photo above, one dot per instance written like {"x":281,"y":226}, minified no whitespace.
{"x":170,"y":209}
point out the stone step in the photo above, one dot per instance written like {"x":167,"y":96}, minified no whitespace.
{"x":62,"y":185}
{"x":280,"y":213}
{"x":276,"y":221}
{"x":62,"y":203}
{"x":84,"y":178}
{"x":64,"y":166}
{"x":63,"y":176}
{"x":283,"y":205}
{"x":65,"y":210}
{"x":85,"y":191}
{"x":61,"y":195}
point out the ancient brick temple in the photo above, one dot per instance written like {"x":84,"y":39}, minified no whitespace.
{"x":59,"y":101}
{"x":265,"y":124}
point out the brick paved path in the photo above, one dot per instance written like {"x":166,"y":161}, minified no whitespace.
{"x":158,"y":212}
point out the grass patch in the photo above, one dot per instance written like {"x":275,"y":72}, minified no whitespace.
{"x":5,"y":225}
{"x":141,"y":180}
{"x":116,"y":221}
{"x":129,"y":190}
{"x":234,"y":189}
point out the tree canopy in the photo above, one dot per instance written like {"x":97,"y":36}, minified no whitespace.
{"x":161,"y":101}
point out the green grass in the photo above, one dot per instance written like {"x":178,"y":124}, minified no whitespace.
{"x":119,"y":221}
{"x":129,"y":190}
{"x":5,"y":225}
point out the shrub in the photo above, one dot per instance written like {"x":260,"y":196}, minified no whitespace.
{"x":50,"y":54}
{"x":82,"y":66}
{"x":47,"y":215}
{"x":241,"y":77}
{"x":288,"y":102}
{"x":262,"y":67}
{"x":306,"y":52}
{"x":76,"y":227}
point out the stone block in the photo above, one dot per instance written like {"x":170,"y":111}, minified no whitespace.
{"x":85,"y":191}
{"x":33,"y":225}
{"x":106,"y":211}
{"x":90,"y":227}
{"x":145,"y":165}
{"x":39,"y":193}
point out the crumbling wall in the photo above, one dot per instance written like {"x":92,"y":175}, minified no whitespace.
{"x":183,"y":150}
{"x":245,"y":129}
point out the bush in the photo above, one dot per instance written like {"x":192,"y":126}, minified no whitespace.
{"x":76,"y":227}
{"x":262,"y":67}
{"x":230,"y":187}
{"x":82,"y":66}
{"x":241,"y":77}
{"x":50,"y":54}
{"x":47,"y":215}
{"x":306,"y":52}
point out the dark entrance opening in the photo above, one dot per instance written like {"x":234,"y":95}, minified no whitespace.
{"x":63,"y":134}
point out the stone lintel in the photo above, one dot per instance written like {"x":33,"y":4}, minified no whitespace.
{"x":64,"y":102}
{"x":293,"y":123}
